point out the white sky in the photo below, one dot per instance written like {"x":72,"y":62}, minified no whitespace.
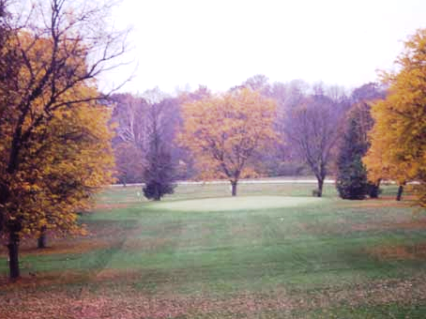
{"x":220,"y":43}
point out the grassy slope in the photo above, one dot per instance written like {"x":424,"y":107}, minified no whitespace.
{"x":350,"y":258}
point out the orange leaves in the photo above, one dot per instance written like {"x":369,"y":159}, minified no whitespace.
{"x":67,"y":155}
{"x":398,"y":139}
{"x":223,"y":132}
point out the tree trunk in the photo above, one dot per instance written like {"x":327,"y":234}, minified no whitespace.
{"x":4,"y":194}
{"x":42,"y":239}
{"x":374,"y":189}
{"x":399,"y":194}
{"x":13,"y":247}
{"x":157,"y":196}
{"x":320,"y":186}
{"x":234,"y":188}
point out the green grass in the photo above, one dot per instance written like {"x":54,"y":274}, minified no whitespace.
{"x":241,"y":203}
{"x":325,"y":257}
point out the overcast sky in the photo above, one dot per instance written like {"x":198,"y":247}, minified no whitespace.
{"x":220,"y":43}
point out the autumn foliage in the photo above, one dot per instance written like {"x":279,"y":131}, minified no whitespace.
{"x":398,"y":138}
{"x":55,"y":141}
{"x":223,"y":132}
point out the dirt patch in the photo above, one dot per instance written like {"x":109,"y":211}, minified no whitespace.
{"x":399,"y":252}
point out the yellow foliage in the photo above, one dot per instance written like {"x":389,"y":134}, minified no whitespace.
{"x":65,"y":155}
{"x":398,"y":138}
{"x":223,"y":132}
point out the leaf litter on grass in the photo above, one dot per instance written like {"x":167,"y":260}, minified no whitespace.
{"x":128,"y":303}
{"x":113,"y":293}
{"x":399,"y":252}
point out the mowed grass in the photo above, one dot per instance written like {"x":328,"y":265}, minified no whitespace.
{"x":273,"y":252}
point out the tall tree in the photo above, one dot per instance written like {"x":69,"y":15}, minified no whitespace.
{"x":362,"y":98}
{"x":223,"y":132}
{"x":399,"y":135}
{"x":130,"y":142}
{"x":60,"y":51}
{"x":351,"y":181}
{"x":160,"y":171}
{"x":74,"y":162}
{"x":312,"y":128}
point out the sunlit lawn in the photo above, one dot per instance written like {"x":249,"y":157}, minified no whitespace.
{"x":273,"y":252}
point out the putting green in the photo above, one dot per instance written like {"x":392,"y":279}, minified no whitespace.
{"x":236,"y":203}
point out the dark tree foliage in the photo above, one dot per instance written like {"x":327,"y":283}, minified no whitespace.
{"x":159,"y":174}
{"x":351,"y":179}
{"x":361,"y":98}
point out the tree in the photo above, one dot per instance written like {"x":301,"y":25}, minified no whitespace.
{"x":186,"y":168}
{"x":367,"y":93}
{"x":129,"y":163}
{"x":288,"y":95}
{"x":339,"y":96}
{"x":258,"y":82}
{"x":130,"y":142}
{"x":160,"y":173}
{"x":129,"y":116}
{"x":54,"y":148}
{"x":362,"y":98}
{"x":223,"y":132}
{"x":351,"y":181}
{"x":379,"y":166}
{"x":7,"y":69}
{"x":312,"y":128}
{"x":398,"y":138}
{"x":75,"y":161}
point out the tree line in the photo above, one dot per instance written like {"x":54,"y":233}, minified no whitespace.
{"x":62,"y":139}
{"x":254,"y":129}
{"x":361,"y":137}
